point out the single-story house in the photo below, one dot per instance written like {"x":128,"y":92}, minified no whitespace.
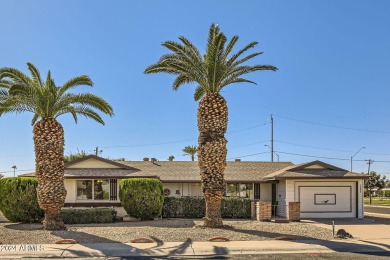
{"x":323,"y":190}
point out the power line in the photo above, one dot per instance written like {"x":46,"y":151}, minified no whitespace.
{"x":334,"y":126}
{"x":248,"y":155}
{"x":17,"y":171}
{"x":328,"y":149}
{"x":313,"y":156}
{"x":180,"y":141}
{"x":248,"y":144}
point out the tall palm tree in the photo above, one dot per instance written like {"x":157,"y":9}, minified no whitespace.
{"x":191,"y":151}
{"x":21,"y":93}
{"x":212,"y":71}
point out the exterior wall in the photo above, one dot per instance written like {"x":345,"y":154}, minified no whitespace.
{"x":265,"y":191}
{"x":195,"y":189}
{"x":186,"y":189}
{"x":70,"y":186}
{"x":292,"y":188}
{"x":92,"y":163}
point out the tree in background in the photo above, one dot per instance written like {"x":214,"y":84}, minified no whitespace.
{"x":191,"y":151}
{"x":211,"y":72}
{"x":47,"y":101}
{"x":1,"y":176}
{"x":171,"y":158}
{"x":374,"y":181}
{"x":75,"y":156}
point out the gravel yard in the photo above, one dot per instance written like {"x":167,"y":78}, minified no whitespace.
{"x":167,"y":230}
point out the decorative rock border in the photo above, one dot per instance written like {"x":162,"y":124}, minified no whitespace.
{"x":67,"y":241}
{"x":142,"y":240}
{"x":283,"y":238}
{"x":218,"y":239}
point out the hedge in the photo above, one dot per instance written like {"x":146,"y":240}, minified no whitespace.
{"x":194,"y":207}
{"x":142,"y":197}
{"x":88,"y":216}
{"x":18,"y":199}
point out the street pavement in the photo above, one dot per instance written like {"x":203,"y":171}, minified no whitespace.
{"x":197,"y":249}
{"x":377,"y":209}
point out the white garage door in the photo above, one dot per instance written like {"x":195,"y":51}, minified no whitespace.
{"x":323,"y":202}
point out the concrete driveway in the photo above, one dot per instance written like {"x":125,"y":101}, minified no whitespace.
{"x":362,"y":229}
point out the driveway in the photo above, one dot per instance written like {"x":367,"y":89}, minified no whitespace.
{"x":377,"y":209}
{"x":366,"y":228}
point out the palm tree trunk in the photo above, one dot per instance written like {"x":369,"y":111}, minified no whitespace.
{"x":192,"y":157}
{"x":212,"y":125}
{"x":49,"y":170}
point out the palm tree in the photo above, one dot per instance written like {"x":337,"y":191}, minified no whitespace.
{"x":191,"y":150}
{"x":171,"y":158}
{"x":212,"y":71}
{"x":21,"y":93}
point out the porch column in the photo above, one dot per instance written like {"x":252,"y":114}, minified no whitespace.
{"x":294,"y":211}
{"x":263,"y":211}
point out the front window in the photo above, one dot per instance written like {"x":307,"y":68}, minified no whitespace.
{"x":93,"y":189}
{"x":242,"y":190}
{"x":101,"y":189}
{"x":84,"y":190}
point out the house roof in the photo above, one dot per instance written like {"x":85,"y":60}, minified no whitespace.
{"x":179,"y":171}
{"x":315,"y":169}
{"x":189,"y":171}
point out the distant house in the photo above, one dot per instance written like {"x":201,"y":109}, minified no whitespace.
{"x":324,"y":190}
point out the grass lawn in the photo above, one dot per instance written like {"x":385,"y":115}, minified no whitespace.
{"x":377,"y":201}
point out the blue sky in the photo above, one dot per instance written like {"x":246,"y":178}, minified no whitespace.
{"x":334,"y":69}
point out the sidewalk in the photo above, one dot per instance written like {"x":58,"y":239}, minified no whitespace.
{"x":190,"y":248}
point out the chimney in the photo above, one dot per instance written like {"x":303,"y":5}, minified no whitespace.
{"x":146,"y":159}
{"x":153,"y":160}
{"x":237,"y":160}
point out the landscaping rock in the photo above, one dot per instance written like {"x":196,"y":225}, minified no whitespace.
{"x":341,"y":233}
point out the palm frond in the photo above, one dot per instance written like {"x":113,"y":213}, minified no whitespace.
{"x":35,"y":73}
{"x":74,"y":82}
{"x":199,"y":93}
{"x":82,"y":110}
{"x":240,"y":52}
{"x":211,"y":71}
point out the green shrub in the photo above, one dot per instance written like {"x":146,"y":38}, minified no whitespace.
{"x":184,"y":207}
{"x":88,"y":216}
{"x":236,"y":207}
{"x":194,"y":207}
{"x":141,"y":197}
{"x":18,"y":199}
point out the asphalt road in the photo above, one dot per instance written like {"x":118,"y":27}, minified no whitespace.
{"x":377,"y":209}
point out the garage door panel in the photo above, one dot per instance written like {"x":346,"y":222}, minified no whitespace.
{"x":325,"y":199}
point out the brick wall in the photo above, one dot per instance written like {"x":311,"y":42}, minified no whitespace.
{"x":263,"y":211}
{"x":294,"y":211}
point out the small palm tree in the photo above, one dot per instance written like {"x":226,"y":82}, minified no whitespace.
{"x":20,"y":93}
{"x":191,"y":151}
{"x":171,"y":158}
{"x":212,"y":72}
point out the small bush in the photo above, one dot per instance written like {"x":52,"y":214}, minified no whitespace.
{"x":141,"y":197}
{"x":18,"y":199}
{"x":184,"y":207}
{"x":236,"y":207}
{"x":194,"y":207}
{"x":88,"y":216}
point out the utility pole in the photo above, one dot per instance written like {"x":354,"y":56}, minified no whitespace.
{"x":97,"y":151}
{"x":369,"y":164}
{"x":14,"y":167}
{"x":368,"y":172}
{"x":272,"y":138}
